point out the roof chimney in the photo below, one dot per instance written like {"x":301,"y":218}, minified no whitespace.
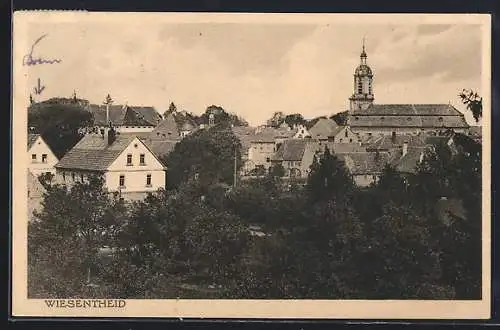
{"x":111,"y":135}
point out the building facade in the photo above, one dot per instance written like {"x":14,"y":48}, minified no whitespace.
{"x":41,"y":158}
{"x":126,"y":163}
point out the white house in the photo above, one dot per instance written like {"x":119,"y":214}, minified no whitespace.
{"x":128,"y":165}
{"x":41,"y":157}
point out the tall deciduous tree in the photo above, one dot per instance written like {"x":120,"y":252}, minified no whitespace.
{"x":473,"y":102}
{"x":59,"y":124}
{"x":207,"y":156}
{"x":65,"y":239}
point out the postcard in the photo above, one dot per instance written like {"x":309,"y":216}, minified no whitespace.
{"x":251,"y":166}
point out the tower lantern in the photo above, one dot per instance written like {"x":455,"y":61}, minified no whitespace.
{"x":362,"y":96}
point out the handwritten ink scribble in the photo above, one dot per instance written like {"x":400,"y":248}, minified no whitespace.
{"x":29,"y":59}
{"x":39,"y":88}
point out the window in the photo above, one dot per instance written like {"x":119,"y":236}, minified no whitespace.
{"x":73,"y":176}
{"x":122,"y":181}
{"x":409,"y":118}
{"x":64,"y":176}
{"x":148,"y":180}
{"x":350,"y":140}
{"x":382,"y":118}
{"x":346,"y":133}
{"x":81,"y":177}
{"x":268,"y":159}
{"x":44,"y":158}
{"x":129,"y":159}
{"x":33,"y":158}
{"x":360,"y":87}
{"x":440,"y":119}
{"x":142,"y":159}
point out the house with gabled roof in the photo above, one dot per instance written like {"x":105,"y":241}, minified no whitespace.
{"x":325,"y":129}
{"x":125,"y":118}
{"x":297,"y":155}
{"x":41,"y":158}
{"x":264,"y":143}
{"x":129,"y":167}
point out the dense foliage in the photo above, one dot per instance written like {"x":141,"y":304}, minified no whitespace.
{"x":59,"y":123}
{"x":412,"y":236}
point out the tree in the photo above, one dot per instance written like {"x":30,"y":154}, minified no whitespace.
{"x":402,"y":259}
{"x":277,"y":170}
{"x":294,"y":119}
{"x":473,"y":102}
{"x":206,"y":155}
{"x":59,"y":124}
{"x":276,"y":120}
{"x":172,"y":108}
{"x":65,"y":239}
{"x":340,"y":118}
{"x":328,"y":176}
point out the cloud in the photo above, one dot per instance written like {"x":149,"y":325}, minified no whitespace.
{"x":255,"y":70}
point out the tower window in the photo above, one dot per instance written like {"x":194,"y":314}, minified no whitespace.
{"x":360,"y":87}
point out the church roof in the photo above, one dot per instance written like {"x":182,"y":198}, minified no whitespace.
{"x":408,"y":110}
{"x":408,"y":115}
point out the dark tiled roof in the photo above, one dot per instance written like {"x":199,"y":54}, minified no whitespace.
{"x":291,"y":150}
{"x":361,"y":163}
{"x":161,"y":148}
{"x":166,"y":129}
{"x":476,"y":131}
{"x":269,"y":134}
{"x":93,"y":152}
{"x":245,"y":134}
{"x":387,"y":142}
{"x":408,"y":163}
{"x":324,"y":128}
{"x":31,"y":139}
{"x":409,"y":110}
{"x":123,"y":115}
{"x":408,"y":115}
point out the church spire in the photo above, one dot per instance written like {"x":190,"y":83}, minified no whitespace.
{"x":363,"y":53}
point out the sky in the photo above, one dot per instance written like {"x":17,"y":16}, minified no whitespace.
{"x":253,"y":69}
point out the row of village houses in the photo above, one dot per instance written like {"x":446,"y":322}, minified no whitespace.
{"x":128,"y":156}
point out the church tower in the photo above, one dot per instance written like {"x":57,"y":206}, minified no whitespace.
{"x":362,"y":96}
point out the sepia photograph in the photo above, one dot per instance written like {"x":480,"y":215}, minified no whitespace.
{"x":251,"y":165}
